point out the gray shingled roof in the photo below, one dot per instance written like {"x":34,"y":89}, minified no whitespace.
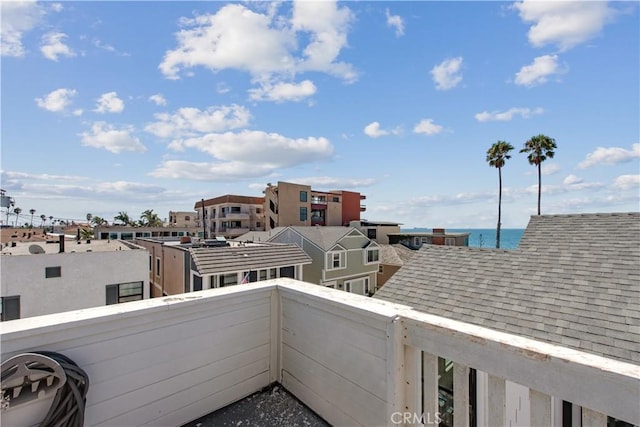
{"x":395,"y":254}
{"x":324,"y":237}
{"x":229,"y":259}
{"x":573,"y":281}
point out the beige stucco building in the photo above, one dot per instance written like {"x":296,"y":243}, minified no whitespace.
{"x":289,"y":204}
{"x":230,"y":215}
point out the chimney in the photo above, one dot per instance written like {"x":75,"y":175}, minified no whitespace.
{"x":61,"y":241}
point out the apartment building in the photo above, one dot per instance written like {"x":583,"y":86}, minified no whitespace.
{"x":230,"y":215}
{"x":182,"y":219}
{"x":289,"y":204}
{"x":57,"y":276}
{"x":438,"y":237}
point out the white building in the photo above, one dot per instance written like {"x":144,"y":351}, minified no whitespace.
{"x":45,"y":278}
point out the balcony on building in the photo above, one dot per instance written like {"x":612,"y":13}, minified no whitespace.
{"x":351,"y":359}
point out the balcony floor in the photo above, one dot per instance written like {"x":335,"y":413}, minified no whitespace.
{"x":273,"y":406}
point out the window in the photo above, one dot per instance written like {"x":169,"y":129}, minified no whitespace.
{"x":373,"y":256}
{"x":124,"y":292}
{"x":263,"y":275}
{"x":228,"y":279}
{"x":187,"y":218}
{"x":450,"y":241}
{"x":358,"y":286}
{"x":10,"y":307}
{"x":347,"y":286}
{"x":258,"y":224}
{"x":288,"y":272}
{"x":273,"y":273}
{"x":372,"y":233}
{"x":303,"y":196}
{"x":150,"y":263}
{"x":336,"y":199}
{"x":380,"y":269}
{"x":197,"y":283}
{"x":50,"y":272}
{"x":303,"y":214}
{"x":336,"y":260}
{"x":157,"y":266}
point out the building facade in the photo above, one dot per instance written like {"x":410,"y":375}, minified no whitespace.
{"x":125,"y":232}
{"x":39,"y":279}
{"x":438,"y":237}
{"x":230,"y":215}
{"x":342,"y":257}
{"x":289,"y":204}
{"x":177,"y":267}
{"x":183,"y":219}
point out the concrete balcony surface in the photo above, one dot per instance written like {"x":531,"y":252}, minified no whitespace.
{"x":351,"y":359}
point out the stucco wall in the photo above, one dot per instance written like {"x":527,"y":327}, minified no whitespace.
{"x":82,"y":283}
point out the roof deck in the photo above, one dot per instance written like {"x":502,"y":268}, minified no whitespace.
{"x":353,"y":360}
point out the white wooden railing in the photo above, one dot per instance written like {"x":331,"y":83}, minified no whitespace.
{"x":352,"y":359}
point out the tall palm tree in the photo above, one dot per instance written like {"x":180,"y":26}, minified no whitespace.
{"x":150,"y":219}
{"x":89,"y":216}
{"x":43,"y":217}
{"x":123,"y":218}
{"x":539,"y":148}
{"x":16,"y":211}
{"x":497,"y":154}
{"x":31,"y":211}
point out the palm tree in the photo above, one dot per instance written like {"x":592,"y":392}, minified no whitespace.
{"x":43,"y":217}
{"x":89,"y":216}
{"x":31,"y":211}
{"x":150,"y":219}
{"x":539,"y":148}
{"x":123,"y":218}
{"x":497,"y":154}
{"x":16,"y":211}
{"x":98,"y":221}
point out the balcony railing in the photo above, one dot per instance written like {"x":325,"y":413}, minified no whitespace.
{"x":352,"y":359}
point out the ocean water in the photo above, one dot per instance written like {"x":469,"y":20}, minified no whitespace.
{"x":484,"y":237}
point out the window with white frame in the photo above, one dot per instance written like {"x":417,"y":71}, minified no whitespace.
{"x":336,"y":260}
{"x":372,"y":255}
{"x":359,"y":286}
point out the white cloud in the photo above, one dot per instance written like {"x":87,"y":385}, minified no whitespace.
{"x":77,"y":112}
{"x":373,"y":130}
{"x":109,"y":103}
{"x":626,"y":182}
{"x":446,"y":75}
{"x":539,"y":71}
{"x":222,"y":88}
{"x":246,"y":154}
{"x":110,"y":138}
{"x":158,"y":99}
{"x":264,"y":44}
{"x":571,"y":180}
{"x":190,"y":121}
{"x":563,"y":23}
{"x":57,"y":100}
{"x":109,"y":48}
{"x":505,"y":116}
{"x":280,"y":92}
{"x":330,"y":183}
{"x":610,"y":156}
{"x":396,"y":22}
{"x":257,"y":147}
{"x":57,"y":7}
{"x":52,"y":46}
{"x":16,"y":19}
{"x":549,"y":169}
{"x":427,"y":127}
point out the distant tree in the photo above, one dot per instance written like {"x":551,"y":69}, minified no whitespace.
{"x":538,"y":149}
{"x":150,"y":219}
{"x":31,"y":211}
{"x":497,"y":154}
{"x":99,"y":221}
{"x":89,"y":217}
{"x":43,"y":217}
{"x":123,"y":218}
{"x":16,"y":211}
{"x":86,"y":233}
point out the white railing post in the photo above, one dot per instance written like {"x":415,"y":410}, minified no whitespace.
{"x":497,"y":402}
{"x":460,"y":395}
{"x":540,"y":408}
{"x":275,"y":342}
{"x":395,"y":371}
{"x":412,"y":383}
{"x":430,"y":407}
{"x":591,"y":418}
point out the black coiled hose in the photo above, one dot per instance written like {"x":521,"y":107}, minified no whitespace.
{"x":67,"y":409}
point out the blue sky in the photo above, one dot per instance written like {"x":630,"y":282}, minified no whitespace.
{"x":127,"y":106}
